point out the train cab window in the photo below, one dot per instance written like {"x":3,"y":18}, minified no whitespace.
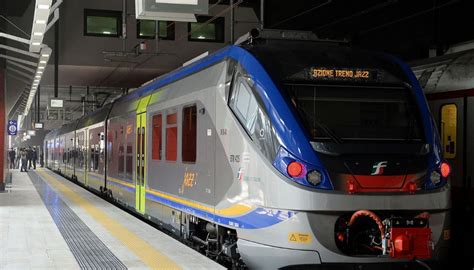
{"x":251,"y":114}
{"x":189,"y":134}
{"x":448,"y":129}
{"x":171,"y":137}
{"x":156,"y":139}
{"x":244,"y":104}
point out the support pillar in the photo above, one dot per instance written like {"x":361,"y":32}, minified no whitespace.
{"x":3,"y":136}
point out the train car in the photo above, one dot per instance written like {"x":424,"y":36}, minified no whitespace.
{"x":447,"y":82}
{"x":283,"y":151}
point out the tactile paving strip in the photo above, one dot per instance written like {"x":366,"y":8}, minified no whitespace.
{"x":90,"y":252}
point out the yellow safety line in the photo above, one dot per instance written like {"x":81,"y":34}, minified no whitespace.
{"x":147,"y":253}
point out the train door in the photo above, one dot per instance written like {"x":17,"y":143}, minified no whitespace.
{"x":87,"y":152}
{"x":140,"y":175}
{"x":469,"y":125}
{"x":449,"y":116}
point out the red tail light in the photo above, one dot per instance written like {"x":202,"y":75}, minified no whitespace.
{"x":412,"y":187}
{"x":295,"y":169}
{"x":351,"y":187}
{"x":445,"y":169}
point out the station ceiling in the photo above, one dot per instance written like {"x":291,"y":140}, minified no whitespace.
{"x":403,"y":27}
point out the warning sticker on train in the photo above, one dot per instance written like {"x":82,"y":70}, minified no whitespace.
{"x":297,"y":237}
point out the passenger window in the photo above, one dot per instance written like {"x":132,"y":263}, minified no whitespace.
{"x":448,"y":129}
{"x":156,"y":139}
{"x":171,"y":137}
{"x":189,"y":134}
{"x":245,"y":105}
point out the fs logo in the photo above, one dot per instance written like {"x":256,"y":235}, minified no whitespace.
{"x":378,"y":168}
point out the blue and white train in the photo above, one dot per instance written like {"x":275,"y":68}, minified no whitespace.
{"x":278,"y":152}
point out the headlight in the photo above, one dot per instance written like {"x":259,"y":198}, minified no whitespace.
{"x":314,"y":177}
{"x":435,"y":178}
{"x":295,"y":169}
{"x":445,"y":169}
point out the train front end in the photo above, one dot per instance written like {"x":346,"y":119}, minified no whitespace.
{"x":357,"y":174}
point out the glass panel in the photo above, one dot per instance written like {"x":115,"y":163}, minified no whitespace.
{"x":189,"y":134}
{"x":102,"y":25}
{"x":171,"y":137}
{"x":163,"y":29}
{"x":246,"y":106}
{"x":146,"y":28}
{"x":448,"y":129}
{"x":357,"y":113}
{"x":156,"y":139}
{"x":202,"y":31}
{"x":121,"y":165}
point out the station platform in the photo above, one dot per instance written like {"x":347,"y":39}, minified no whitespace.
{"x":47,"y":222}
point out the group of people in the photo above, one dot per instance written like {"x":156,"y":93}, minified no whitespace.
{"x":24,"y":159}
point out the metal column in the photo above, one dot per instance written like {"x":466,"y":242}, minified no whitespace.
{"x":232,"y":21}
{"x":38,"y":96}
{"x":56,"y":59}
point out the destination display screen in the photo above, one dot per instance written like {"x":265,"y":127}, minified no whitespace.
{"x":322,"y":73}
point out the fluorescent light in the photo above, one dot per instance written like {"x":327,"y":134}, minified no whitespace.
{"x":106,"y":32}
{"x":40,"y":67}
{"x":45,"y":55}
{"x":37,"y":34}
{"x":37,"y":76}
{"x":177,"y":2}
{"x":40,"y":21}
{"x":39,"y":72}
{"x":41,"y":6}
{"x":201,"y":37}
{"x":42,"y":62}
{"x":36,"y":43}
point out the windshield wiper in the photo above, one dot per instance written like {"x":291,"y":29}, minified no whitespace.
{"x":329,"y":132}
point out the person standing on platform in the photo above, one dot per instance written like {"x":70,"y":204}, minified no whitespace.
{"x":34,"y":157}
{"x":18,"y":158}
{"x":12,"y":157}
{"x":29,"y":156}
{"x":24,"y":160}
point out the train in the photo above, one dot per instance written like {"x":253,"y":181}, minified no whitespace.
{"x":448,"y":86}
{"x":279,"y":151}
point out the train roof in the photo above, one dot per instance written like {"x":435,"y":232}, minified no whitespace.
{"x":97,"y":116}
{"x":286,"y":59}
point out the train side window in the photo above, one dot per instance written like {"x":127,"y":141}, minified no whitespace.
{"x":189,"y":134}
{"x":244,"y":104}
{"x":156,"y":139}
{"x":448,"y":130}
{"x":171,"y":137}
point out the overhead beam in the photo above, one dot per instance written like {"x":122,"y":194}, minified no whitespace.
{"x":15,"y":59}
{"x":21,"y":73}
{"x":35,"y":55}
{"x":32,"y":71}
{"x":14,"y":38}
